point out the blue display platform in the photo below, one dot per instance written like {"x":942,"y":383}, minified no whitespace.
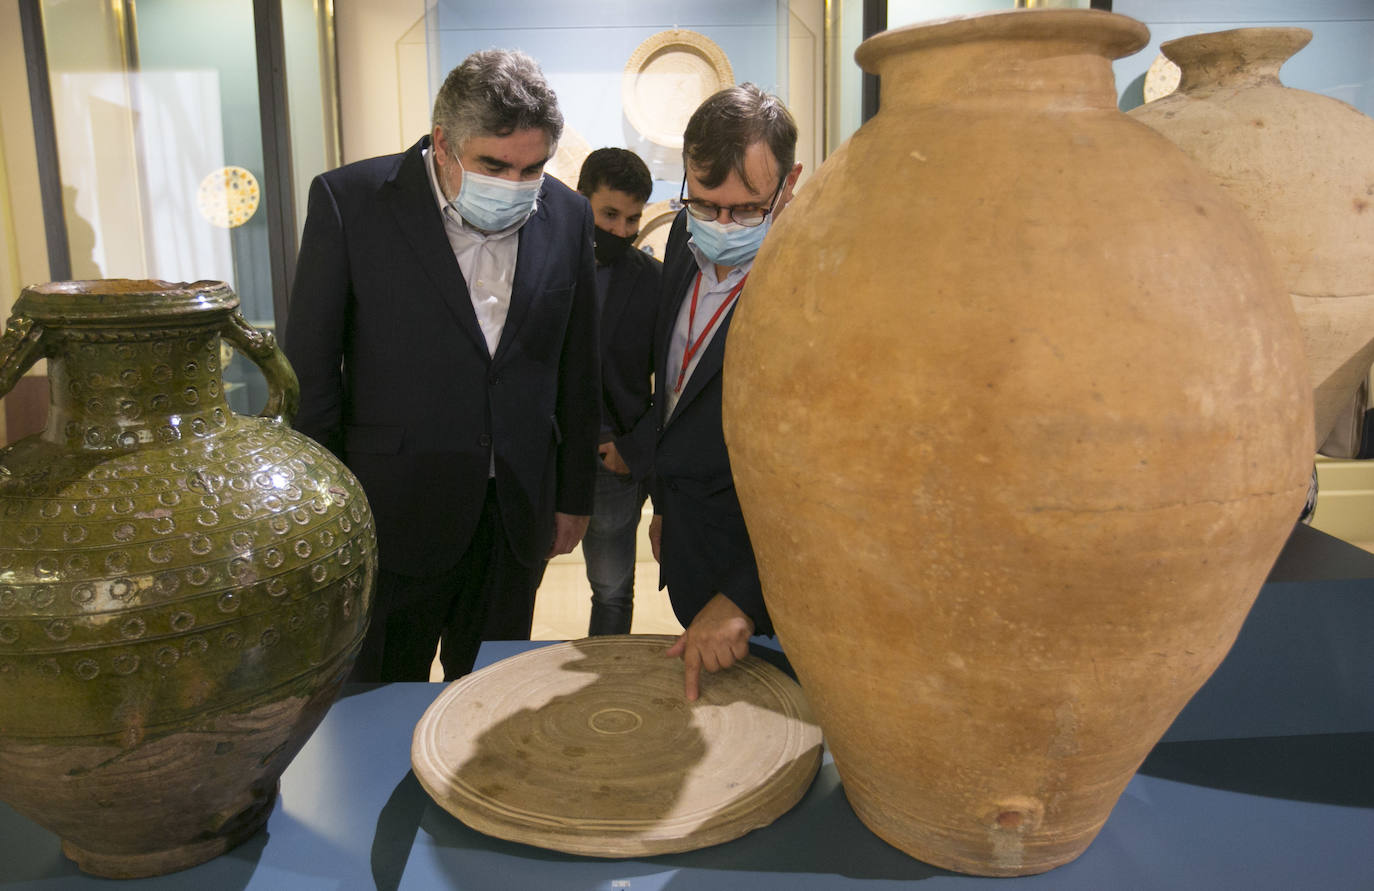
{"x":1266,"y":781}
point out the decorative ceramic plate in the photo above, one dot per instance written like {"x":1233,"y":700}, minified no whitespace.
{"x":228,"y":197}
{"x":1161,"y":79}
{"x":654,"y":224}
{"x":590,"y":747}
{"x":665,"y":80}
{"x":566,"y":163}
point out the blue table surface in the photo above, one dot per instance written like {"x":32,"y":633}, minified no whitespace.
{"x":1227,"y":804}
{"x":352,"y":815}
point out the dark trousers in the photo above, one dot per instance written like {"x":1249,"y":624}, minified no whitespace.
{"x":511,"y":614}
{"x":609,"y":551}
{"x":413,"y":614}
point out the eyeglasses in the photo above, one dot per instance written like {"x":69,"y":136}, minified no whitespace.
{"x":748,"y":215}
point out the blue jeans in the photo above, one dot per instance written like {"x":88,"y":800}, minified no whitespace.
{"x":609,"y":549}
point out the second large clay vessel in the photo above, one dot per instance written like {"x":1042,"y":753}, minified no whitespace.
{"x":1018,"y":415}
{"x":1302,"y":166}
{"x":182,"y":589}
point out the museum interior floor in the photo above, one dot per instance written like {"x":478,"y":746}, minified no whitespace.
{"x":563,"y":605}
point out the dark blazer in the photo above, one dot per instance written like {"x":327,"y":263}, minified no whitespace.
{"x":627,"y":354}
{"x":395,"y":374}
{"x":706,"y":546}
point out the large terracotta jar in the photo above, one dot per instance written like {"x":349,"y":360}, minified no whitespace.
{"x":1302,"y":166}
{"x":182,"y":589}
{"x":1017,"y":412}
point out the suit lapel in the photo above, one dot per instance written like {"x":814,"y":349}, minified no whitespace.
{"x":678,"y":272}
{"x":711,"y":362}
{"x":411,"y":200}
{"x":530,"y":260}
{"x":679,"y":278}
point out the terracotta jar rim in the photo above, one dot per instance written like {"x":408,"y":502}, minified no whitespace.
{"x":123,"y":300}
{"x":1111,"y":34}
{"x":1245,"y":53}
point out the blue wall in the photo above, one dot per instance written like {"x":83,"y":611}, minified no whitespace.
{"x":583,"y":48}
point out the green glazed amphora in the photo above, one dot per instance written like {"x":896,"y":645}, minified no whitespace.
{"x":182,"y":589}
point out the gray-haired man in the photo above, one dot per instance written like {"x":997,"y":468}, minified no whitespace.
{"x":443,"y":325}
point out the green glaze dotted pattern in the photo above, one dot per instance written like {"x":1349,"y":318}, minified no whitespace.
{"x":182,"y":589}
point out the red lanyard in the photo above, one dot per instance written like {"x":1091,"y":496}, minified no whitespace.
{"x":693,"y":346}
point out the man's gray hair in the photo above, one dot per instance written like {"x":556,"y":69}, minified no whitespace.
{"x":494,"y":93}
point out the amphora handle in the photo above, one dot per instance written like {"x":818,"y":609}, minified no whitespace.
{"x":20,"y":347}
{"x":283,"y":389}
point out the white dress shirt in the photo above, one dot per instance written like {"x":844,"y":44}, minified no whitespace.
{"x":711,"y":294}
{"x":487,"y":261}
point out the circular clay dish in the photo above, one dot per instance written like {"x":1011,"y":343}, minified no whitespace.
{"x":654,"y":226}
{"x":666,"y":78}
{"x":590,"y":747}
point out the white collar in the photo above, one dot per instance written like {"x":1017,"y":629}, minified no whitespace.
{"x":708,"y":266}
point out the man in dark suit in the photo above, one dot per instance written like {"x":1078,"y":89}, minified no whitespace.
{"x":443,"y":326}
{"x":617,"y":184}
{"x":739,"y":150}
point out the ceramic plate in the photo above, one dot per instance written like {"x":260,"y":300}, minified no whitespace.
{"x":1161,"y":79}
{"x":665,"y":80}
{"x":228,"y":197}
{"x":590,"y":747}
{"x":654,"y":226}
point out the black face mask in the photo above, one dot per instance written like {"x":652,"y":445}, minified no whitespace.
{"x":609,"y":247}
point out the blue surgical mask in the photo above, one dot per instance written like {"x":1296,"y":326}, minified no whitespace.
{"x":727,"y":244}
{"x":491,"y":203}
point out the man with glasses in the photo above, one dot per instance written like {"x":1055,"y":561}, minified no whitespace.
{"x":443,"y":325}
{"x":738,"y":151}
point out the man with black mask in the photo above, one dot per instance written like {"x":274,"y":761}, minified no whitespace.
{"x":617,"y":183}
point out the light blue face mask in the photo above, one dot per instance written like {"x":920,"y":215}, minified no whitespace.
{"x":727,"y":244}
{"x":491,"y":203}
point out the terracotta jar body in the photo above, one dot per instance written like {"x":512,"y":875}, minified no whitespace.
{"x":182,"y":589}
{"x":1302,"y":166}
{"x":1010,"y":403}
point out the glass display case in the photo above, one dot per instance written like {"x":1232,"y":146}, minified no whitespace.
{"x":160,"y":144}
